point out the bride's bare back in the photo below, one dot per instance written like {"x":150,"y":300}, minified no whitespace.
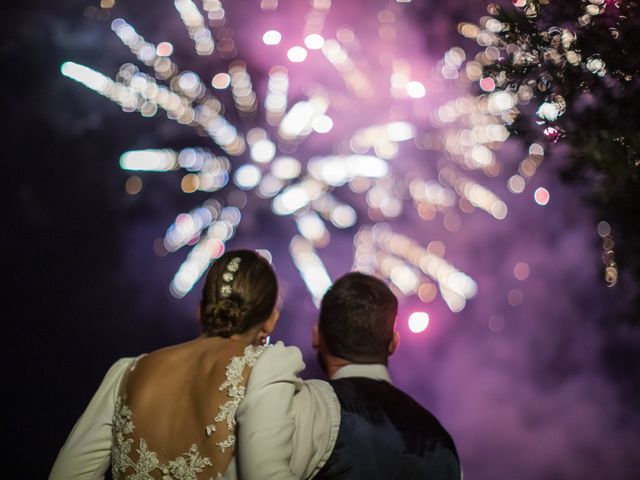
{"x":175,"y":414}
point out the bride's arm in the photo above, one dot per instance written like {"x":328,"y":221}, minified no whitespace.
{"x":87,"y":452}
{"x":265,"y":417}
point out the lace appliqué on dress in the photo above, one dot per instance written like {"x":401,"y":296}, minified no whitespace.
{"x":236,"y":393}
{"x":185,"y":467}
{"x":191,"y":463}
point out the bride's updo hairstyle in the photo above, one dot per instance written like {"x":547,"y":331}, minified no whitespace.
{"x":240,"y":292}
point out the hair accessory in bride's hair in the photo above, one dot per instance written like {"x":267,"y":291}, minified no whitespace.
{"x":227,"y":277}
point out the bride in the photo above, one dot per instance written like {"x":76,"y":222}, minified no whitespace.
{"x":171,"y":414}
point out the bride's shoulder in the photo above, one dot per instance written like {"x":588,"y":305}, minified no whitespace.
{"x":277,"y":360}
{"x":122,"y":365}
{"x":280,"y":346}
{"x":279,"y":352}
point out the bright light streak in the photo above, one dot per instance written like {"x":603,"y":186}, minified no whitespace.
{"x":400,"y":131}
{"x":482,"y":156}
{"x":270,"y":186}
{"x":286,"y":168}
{"x":311,"y":226}
{"x":313,"y":272}
{"x":188,"y":227}
{"x":353,"y":77}
{"x":145,"y":51}
{"x":297,"y":196}
{"x":455,"y":286}
{"x":322,"y":124}
{"x":220,"y":130}
{"x":87,"y":76}
{"x":341,"y":215}
{"x":382,"y":137}
{"x":212,"y":171}
{"x":276,"y":101}
{"x":432,"y":193}
{"x":197,"y":262}
{"x":309,"y":199}
{"x":126,"y":97}
{"x":336,"y":170}
{"x":244,"y":97}
{"x":405,"y":279}
{"x":454,"y":301}
{"x":215,"y":12}
{"x":194,"y":21}
{"x":210,"y":247}
{"x":298,"y":121}
{"x":291,"y":200}
{"x":149,"y":160}
{"x":478,"y":195}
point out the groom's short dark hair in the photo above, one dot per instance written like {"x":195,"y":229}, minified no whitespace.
{"x":357,"y":317}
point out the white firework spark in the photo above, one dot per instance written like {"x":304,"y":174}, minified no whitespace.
{"x":465,"y":132}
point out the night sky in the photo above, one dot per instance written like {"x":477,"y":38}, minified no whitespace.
{"x":536,"y":378}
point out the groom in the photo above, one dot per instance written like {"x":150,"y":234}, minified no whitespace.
{"x":383,"y":432}
{"x":357,"y":425}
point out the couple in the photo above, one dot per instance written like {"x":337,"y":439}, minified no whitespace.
{"x":224,"y":406}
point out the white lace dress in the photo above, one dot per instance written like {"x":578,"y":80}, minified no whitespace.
{"x":104,"y":436}
{"x":141,"y":463}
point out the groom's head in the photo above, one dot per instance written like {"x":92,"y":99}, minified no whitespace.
{"x":357,"y":318}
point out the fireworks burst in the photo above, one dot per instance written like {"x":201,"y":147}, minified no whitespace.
{"x":302,"y":138}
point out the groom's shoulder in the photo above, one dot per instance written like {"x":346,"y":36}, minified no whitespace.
{"x":402,"y":408}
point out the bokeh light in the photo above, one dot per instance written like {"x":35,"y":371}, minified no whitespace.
{"x":314,"y":41}
{"x":272,"y":37}
{"x":164,"y":49}
{"x":270,"y":160}
{"x":515,"y":297}
{"x":415,"y":89}
{"x":322,"y":124}
{"x":541,"y":196}
{"x":496,"y":323}
{"x":297,"y":54}
{"x":521,"y":271}
{"x":603,"y":228}
{"x":487,"y":84}
{"x":418,"y":322}
{"x":133,"y":185}
{"x":221,"y":80}
{"x":247,"y":177}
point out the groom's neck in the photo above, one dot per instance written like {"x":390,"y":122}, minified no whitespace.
{"x":333,"y":364}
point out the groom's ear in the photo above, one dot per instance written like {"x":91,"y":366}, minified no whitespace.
{"x":395,"y":341}
{"x":315,"y":337}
